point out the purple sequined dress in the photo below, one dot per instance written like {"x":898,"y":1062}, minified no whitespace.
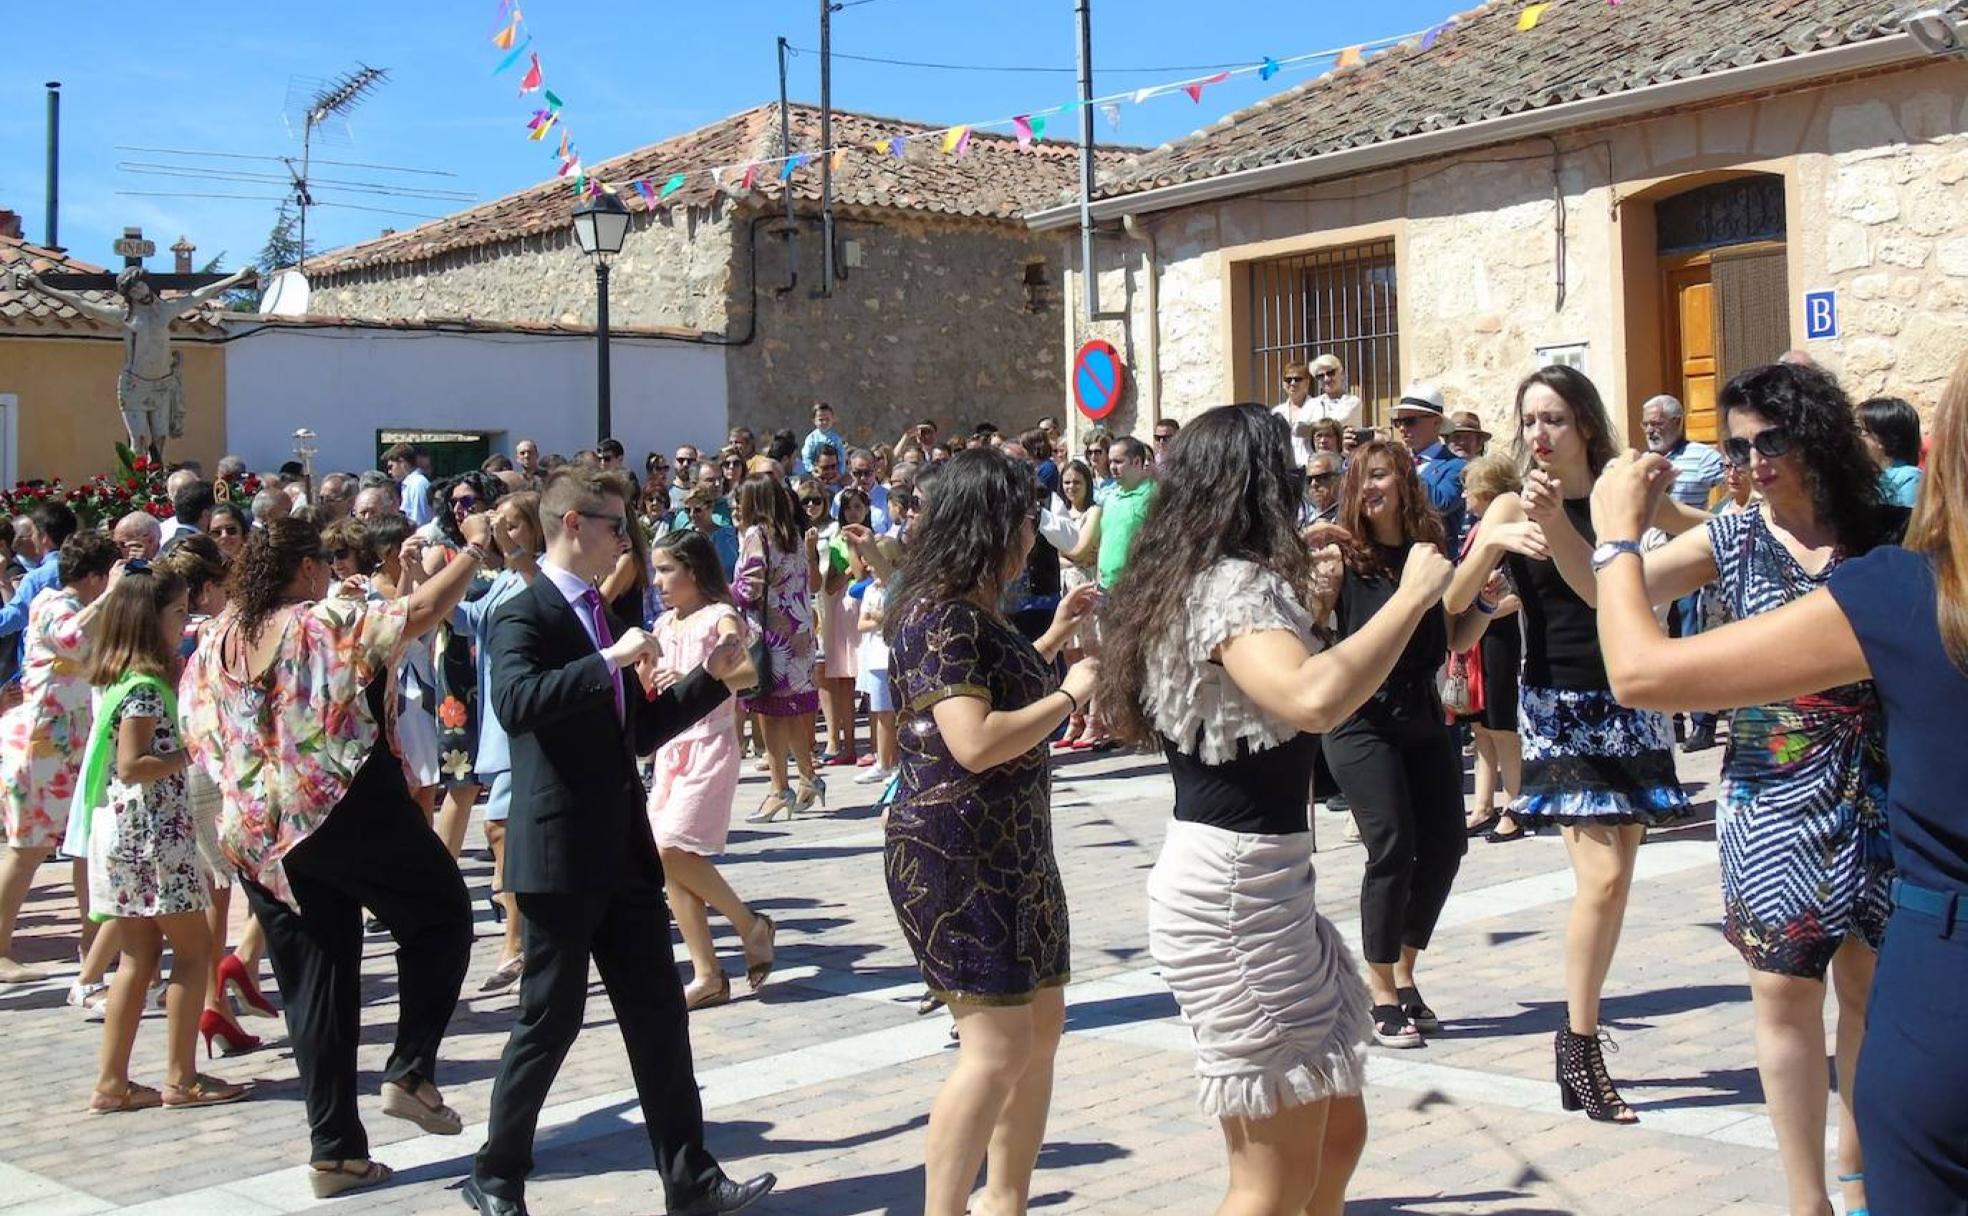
{"x":969,"y":857}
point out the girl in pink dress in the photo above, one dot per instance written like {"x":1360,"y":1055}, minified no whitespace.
{"x":696,"y":773}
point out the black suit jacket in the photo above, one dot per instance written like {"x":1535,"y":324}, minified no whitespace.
{"x":578,"y":823}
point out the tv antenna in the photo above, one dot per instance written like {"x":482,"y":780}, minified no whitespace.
{"x":316,"y":112}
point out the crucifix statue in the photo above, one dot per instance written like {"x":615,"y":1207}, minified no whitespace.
{"x":150,"y":390}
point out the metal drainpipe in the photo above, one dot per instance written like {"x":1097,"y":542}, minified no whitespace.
{"x":1151,"y":377}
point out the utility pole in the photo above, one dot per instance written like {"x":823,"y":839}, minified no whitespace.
{"x":1083,"y":9}
{"x":786,"y":183}
{"x":53,"y":196}
{"x":826,"y":148}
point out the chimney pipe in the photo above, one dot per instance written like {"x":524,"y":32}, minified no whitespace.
{"x":54,"y":164}
{"x":183,"y":250}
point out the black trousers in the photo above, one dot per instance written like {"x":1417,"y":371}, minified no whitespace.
{"x":627,"y":934}
{"x":373,"y":851}
{"x":1399,"y":767}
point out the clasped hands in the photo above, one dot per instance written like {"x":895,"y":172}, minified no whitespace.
{"x":639,"y":649}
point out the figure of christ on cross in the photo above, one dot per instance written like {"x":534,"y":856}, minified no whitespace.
{"x":150,"y":390}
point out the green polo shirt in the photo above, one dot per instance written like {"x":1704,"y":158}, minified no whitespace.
{"x":1120,"y":519}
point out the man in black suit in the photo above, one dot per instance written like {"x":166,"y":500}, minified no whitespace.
{"x":579,"y":855}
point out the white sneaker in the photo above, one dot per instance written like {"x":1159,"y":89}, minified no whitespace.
{"x":874,"y":776}
{"x":91,"y":999}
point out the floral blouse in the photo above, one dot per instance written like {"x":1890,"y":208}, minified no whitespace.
{"x":287,"y":745}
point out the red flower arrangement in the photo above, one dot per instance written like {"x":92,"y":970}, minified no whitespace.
{"x":137,"y":485}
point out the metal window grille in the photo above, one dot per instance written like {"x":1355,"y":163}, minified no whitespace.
{"x":1342,"y":302}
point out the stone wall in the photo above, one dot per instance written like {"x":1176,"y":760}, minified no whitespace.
{"x":936,"y":322}
{"x":1877,"y":209}
{"x":674,"y":269}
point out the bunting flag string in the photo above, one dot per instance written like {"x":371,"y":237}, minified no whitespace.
{"x":1029,"y":128}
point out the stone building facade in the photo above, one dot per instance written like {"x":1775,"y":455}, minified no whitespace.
{"x":1672,"y":206}
{"x":944,"y":303}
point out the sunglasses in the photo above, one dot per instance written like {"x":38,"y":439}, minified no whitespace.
{"x":733,"y":464}
{"x":1321,"y":479}
{"x":340,"y":555}
{"x":1294,"y":379}
{"x":1161,"y":438}
{"x":862,"y":474}
{"x":1771,"y":444}
{"x":813,"y":502}
{"x":1324,"y":375}
{"x":619,"y":524}
{"x":467,"y":503}
{"x":1404,"y":421}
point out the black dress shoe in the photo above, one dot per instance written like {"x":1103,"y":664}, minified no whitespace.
{"x":1701,"y":740}
{"x":728,"y":1196}
{"x":491,"y":1205}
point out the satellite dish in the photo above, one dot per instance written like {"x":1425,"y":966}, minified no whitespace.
{"x":286,"y":295}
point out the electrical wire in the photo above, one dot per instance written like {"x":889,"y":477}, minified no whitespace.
{"x":982,"y":67}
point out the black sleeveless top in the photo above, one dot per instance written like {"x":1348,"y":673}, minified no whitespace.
{"x":1260,"y":793}
{"x":1561,"y":631}
{"x":1411,"y":684}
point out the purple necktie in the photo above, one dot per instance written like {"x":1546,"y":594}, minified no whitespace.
{"x":604,"y":638}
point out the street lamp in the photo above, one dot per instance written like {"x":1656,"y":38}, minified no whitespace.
{"x":600,"y":223}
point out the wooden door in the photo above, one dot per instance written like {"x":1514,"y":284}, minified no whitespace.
{"x":1690,"y":343}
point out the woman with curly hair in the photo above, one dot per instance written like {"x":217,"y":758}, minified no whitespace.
{"x":1801,"y":817}
{"x":1210,"y":649}
{"x":283,"y":707}
{"x":1600,"y":771}
{"x":1395,"y":758}
{"x":969,"y":859}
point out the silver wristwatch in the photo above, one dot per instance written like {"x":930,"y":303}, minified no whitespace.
{"x":1603,"y":556}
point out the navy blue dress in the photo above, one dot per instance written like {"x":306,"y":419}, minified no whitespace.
{"x":1912,"y":1091}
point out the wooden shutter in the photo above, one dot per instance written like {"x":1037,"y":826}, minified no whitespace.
{"x":1752,"y":307}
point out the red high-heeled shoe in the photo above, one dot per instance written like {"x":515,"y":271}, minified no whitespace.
{"x":212,"y":1026}
{"x":236,"y":980}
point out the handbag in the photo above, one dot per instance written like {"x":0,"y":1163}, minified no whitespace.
{"x":1460,"y":683}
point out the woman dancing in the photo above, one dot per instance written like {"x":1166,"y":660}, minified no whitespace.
{"x":1210,"y":651}
{"x":969,"y":857}
{"x":1598,"y":770}
{"x":1802,"y":815}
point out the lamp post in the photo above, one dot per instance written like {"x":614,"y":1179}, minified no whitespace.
{"x":600,"y":223}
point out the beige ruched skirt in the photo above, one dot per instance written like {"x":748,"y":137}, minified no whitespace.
{"x":1273,"y":997}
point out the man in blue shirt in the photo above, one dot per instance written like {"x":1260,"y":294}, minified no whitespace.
{"x":823,"y":434}
{"x":698,"y":505}
{"x":1419,"y":416}
{"x":413,"y":488}
{"x":1697,"y":471}
{"x":861,"y":476}
{"x":55,"y":523}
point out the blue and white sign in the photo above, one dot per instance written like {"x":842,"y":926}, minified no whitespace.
{"x":1820,"y":315}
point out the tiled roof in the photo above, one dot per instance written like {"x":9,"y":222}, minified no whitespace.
{"x":993,"y":179}
{"x":1482,"y":66}
{"x":31,"y":310}
{"x":253,"y":322}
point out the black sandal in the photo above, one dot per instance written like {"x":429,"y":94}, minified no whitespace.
{"x":1393,"y":1029}
{"x":929,"y":1004}
{"x":1482,"y":826}
{"x":1417,"y":1010}
{"x":1518,"y":832}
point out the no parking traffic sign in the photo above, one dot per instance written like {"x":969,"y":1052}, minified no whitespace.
{"x":1098,"y":379}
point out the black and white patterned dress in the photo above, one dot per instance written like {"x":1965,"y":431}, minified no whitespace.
{"x":1802,"y":816}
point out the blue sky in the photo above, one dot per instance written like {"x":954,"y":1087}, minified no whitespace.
{"x":216,"y":77}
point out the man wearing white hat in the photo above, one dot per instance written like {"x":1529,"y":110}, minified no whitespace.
{"x":1419,"y":416}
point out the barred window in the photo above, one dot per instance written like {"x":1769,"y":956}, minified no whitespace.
{"x":1341,"y":302}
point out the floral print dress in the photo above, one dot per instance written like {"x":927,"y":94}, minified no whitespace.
{"x":771,"y":588}
{"x":42,"y":738}
{"x":287,"y":744}
{"x":143,"y":840}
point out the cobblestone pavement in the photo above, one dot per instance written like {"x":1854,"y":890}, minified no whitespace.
{"x":827,"y":1077}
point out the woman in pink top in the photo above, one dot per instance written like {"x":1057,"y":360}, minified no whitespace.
{"x":696,"y":773}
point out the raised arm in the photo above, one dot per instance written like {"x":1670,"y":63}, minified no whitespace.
{"x":1503,"y":529}
{"x":1647,"y":670}
{"x":1544,"y":502}
{"x":193,"y":299}
{"x":1316,"y":692}
{"x":89,"y":308}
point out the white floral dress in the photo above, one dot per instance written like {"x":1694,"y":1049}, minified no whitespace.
{"x":42,"y":738}
{"x":143,"y":840}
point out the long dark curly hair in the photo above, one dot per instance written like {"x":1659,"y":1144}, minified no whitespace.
{"x":972,"y":532}
{"x":1225,"y":491}
{"x":1419,"y":522}
{"x":266,"y":567}
{"x":1825,"y":434}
